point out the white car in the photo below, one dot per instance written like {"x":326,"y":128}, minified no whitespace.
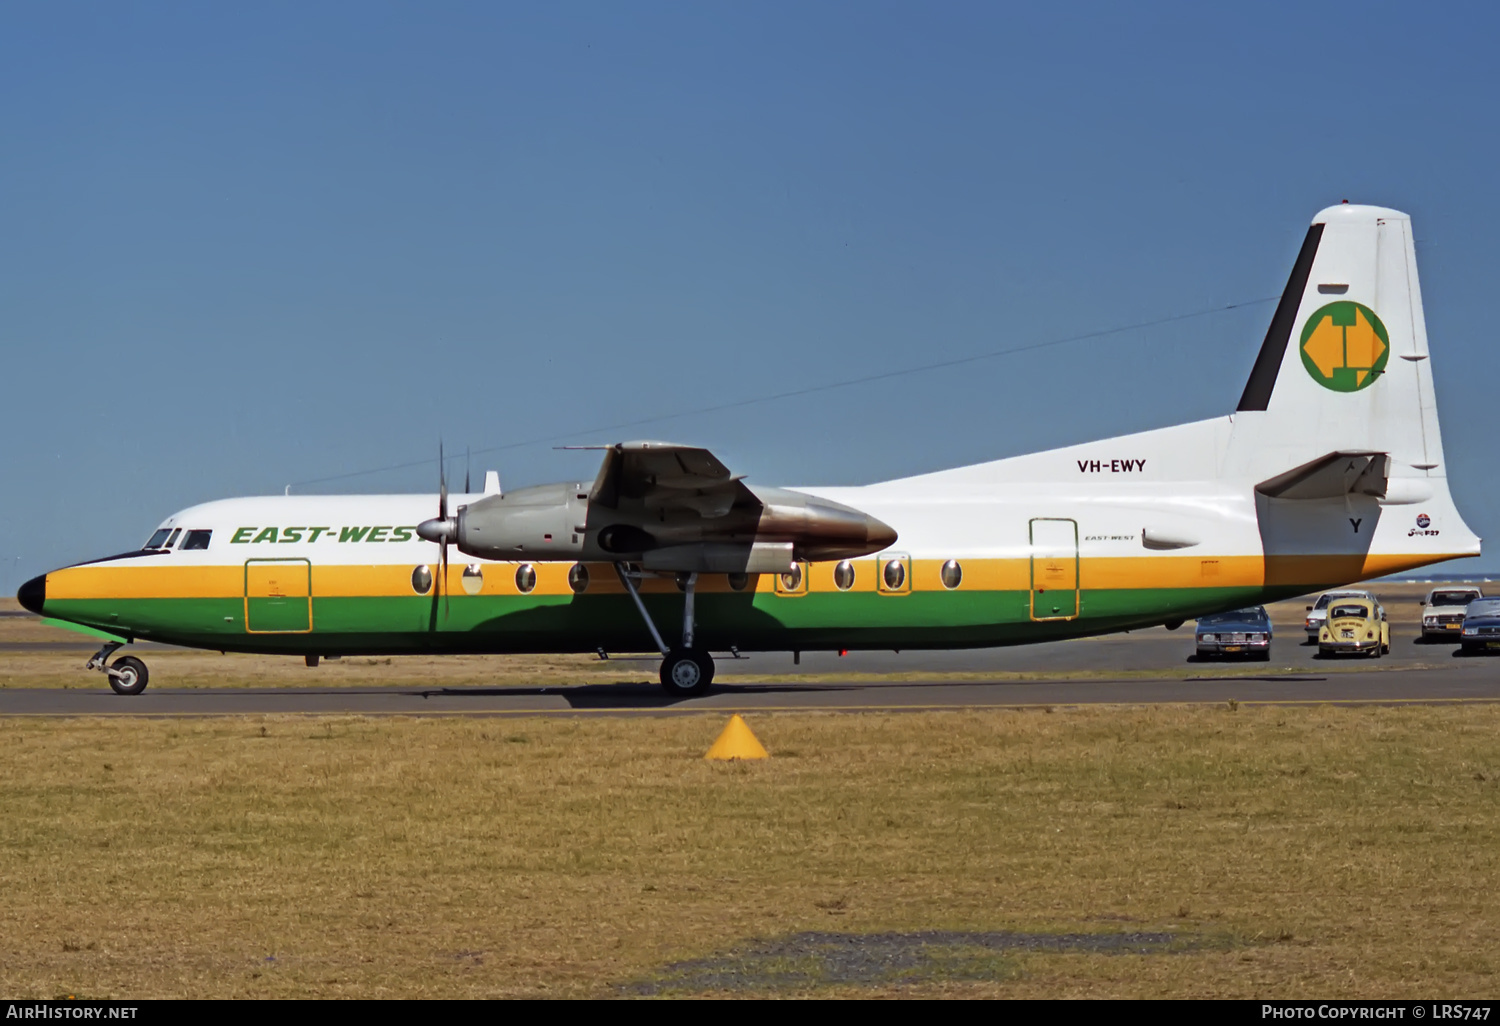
{"x":1318,"y":611}
{"x":1443,"y":612}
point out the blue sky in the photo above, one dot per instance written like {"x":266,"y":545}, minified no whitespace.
{"x":248,"y":245}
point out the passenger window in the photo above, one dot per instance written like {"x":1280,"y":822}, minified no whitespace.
{"x":793,"y":582}
{"x":421,"y":580}
{"x":578,"y":578}
{"x":197,"y":540}
{"x":895,"y":578}
{"x":472,"y":579}
{"x":525,"y":578}
{"x":843,"y":576}
{"x":894,"y":575}
{"x":952,"y":574}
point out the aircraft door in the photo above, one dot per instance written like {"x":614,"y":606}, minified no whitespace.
{"x":1054,"y":569}
{"x":278,"y":596}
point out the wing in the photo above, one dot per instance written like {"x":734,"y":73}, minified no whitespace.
{"x":666,"y":476}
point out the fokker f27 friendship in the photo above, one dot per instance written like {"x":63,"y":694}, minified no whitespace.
{"x":1329,"y":471}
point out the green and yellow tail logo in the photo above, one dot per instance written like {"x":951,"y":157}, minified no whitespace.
{"x":1345,"y":347}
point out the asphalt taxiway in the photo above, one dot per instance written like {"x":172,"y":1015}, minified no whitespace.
{"x":1455,"y":680}
{"x":1145,"y":667}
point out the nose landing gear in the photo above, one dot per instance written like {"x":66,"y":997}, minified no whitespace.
{"x":127,"y":674}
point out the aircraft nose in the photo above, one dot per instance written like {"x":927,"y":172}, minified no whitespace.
{"x":33,"y":594}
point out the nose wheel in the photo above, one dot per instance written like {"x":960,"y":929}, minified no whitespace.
{"x":127,"y":674}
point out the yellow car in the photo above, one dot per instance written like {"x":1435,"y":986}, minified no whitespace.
{"x":1355,"y":625}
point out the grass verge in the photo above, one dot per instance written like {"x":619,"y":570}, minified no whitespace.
{"x":1297,"y":852}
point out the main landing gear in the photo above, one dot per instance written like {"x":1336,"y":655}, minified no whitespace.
{"x":127,"y":674}
{"x":685,"y":671}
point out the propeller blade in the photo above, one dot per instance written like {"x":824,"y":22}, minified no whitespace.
{"x":439,"y":530}
{"x":467,"y":490}
{"x":443,"y":516}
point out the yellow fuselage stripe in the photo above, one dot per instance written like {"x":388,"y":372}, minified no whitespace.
{"x":1095,"y":573}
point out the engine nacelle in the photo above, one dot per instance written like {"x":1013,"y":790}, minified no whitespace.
{"x":763,"y":531}
{"x":541,"y":522}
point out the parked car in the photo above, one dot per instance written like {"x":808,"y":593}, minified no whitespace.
{"x":1480,"y":631}
{"x":1443,"y":611}
{"x":1355,"y":626}
{"x":1318,"y":611}
{"x":1244,"y":632}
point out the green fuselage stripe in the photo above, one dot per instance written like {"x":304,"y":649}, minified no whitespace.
{"x":582,"y":623}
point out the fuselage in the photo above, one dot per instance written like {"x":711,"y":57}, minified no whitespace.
{"x":986,"y":555}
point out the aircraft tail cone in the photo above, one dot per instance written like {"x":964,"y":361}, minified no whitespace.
{"x":737,"y":742}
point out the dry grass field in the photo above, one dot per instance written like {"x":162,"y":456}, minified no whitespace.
{"x":1182,"y":852}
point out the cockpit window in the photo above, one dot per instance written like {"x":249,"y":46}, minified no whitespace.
{"x":157,"y":540}
{"x":196,"y":540}
{"x":173,"y":540}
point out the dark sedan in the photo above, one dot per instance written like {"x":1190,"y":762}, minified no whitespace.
{"x":1244,"y":632}
{"x":1481,"y":629}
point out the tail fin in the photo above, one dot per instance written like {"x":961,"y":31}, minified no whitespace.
{"x":1344,"y":366}
{"x":1339,"y":421}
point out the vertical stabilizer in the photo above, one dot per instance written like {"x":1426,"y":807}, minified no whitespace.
{"x":1338,"y":423}
{"x":1345,"y":364}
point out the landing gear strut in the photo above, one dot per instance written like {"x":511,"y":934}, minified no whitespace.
{"x":127,"y":674}
{"x":685,"y":671}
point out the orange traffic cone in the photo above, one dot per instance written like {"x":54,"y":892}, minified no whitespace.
{"x":737,"y":742}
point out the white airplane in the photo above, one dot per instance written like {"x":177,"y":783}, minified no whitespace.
{"x":1329,"y":471}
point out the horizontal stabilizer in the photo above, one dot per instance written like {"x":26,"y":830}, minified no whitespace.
{"x":1332,"y":477}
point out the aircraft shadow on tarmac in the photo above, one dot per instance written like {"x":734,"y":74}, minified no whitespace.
{"x":648,"y":696}
{"x":622,"y":696}
{"x":1273,"y":678}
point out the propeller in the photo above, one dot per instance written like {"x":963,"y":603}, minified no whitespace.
{"x":442,"y":529}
